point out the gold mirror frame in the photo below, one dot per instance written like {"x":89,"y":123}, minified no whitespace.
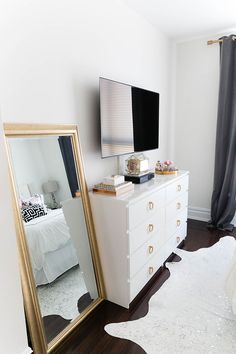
{"x":31,"y":303}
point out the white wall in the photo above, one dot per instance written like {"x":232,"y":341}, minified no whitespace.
{"x":55,"y":167}
{"x":12,"y":323}
{"x":52,"y":54}
{"x":36,"y":161}
{"x":197,"y":82}
{"x":28,"y":164}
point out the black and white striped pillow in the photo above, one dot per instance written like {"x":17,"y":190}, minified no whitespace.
{"x":32,"y":212}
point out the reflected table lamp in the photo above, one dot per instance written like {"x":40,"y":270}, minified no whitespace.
{"x":51,"y":187}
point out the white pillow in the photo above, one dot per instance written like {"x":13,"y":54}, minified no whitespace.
{"x":35,"y":199}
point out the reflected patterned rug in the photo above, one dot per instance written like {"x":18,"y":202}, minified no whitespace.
{"x":190,"y":313}
{"x":61,"y":296}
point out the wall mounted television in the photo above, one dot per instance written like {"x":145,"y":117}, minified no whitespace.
{"x":129,"y":118}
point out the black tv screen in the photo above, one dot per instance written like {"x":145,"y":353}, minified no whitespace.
{"x":129,"y":118}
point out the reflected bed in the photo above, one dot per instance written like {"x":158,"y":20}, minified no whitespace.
{"x":50,"y":246}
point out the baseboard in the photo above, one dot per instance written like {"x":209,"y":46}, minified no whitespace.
{"x":203,"y":214}
{"x":27,"y":351}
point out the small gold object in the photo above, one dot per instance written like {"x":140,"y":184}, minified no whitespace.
{"x":213,"y":41}
{"x":77,"y":194}
{"x":178,"y":222}
{"x":166,"y":172}
{"x":178,"y":205}
{"x":150,"y":270}
{"x":179,"y":187}
{"x":178,"y":239}
{"x":150,"y":249}
{"x":150,"y":227}
{"x":137,"y":164}
{"x":150,"y":205}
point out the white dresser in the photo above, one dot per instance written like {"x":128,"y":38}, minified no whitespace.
{"x":137,"y":232}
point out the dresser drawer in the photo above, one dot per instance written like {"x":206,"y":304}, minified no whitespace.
{"x":150,"y":268}
{"x":145,"y":253}
{"x":173,"y":242}
{"x":177,"y":206}
{"x":143,"y":209}
{"x":180,"y":234}
{"x":153,"y":225}
{"x":177,"y":188}
{"x":144,"y":275}
{"x":176,"y":223}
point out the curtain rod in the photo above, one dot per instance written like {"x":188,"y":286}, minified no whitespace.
{"x":213,"y":41}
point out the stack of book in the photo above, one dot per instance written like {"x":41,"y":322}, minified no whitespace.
{"x":114,"y":190}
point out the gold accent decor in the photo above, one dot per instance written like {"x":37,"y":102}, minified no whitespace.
{"x":178,"y":205}
{"x":178,"y":222}
{"x":178,"y":239}
{"x":150,"y":205}
{"x":213,"y":41}
{"x":137,"y":164}
{"x":165,"y":172}
{"x":77,"y":194}
{"x":166,"y":168}
{"x":150,"y":249}
{"x":150,"y":227}
{"x":31,"y":302}
{"x":150,"y":270}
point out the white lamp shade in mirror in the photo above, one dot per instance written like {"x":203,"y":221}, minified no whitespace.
{"x":50,"y":187}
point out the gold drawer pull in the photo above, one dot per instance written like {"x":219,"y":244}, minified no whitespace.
{"x":179,"y":187}
{"x":150,"y":227}
{"x":178,"y":222}
{"x":178,"y":205}
{"x":150,"y":249}
{"x":150,"y":205}
{"x":178,"y":239}
{"x":150,"y":270}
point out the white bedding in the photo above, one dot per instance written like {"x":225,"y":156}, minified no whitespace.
{"x":46,"y":234}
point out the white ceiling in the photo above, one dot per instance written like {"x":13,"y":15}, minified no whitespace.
{"x":185,"y":19}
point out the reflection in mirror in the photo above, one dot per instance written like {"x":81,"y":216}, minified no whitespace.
{"x":48,"y":192}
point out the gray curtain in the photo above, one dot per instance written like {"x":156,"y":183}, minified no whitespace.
{"x":223,"y":203}
{"x":69,"y":163}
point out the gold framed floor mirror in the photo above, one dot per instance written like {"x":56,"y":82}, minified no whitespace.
{"x":60,"y":268}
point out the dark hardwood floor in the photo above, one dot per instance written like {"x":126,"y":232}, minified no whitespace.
{"x":91,"y":338}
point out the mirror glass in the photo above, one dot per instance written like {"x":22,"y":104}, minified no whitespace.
{"x":52,"y":214}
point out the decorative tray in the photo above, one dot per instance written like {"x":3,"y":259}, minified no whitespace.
{"x":166,"y":172}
